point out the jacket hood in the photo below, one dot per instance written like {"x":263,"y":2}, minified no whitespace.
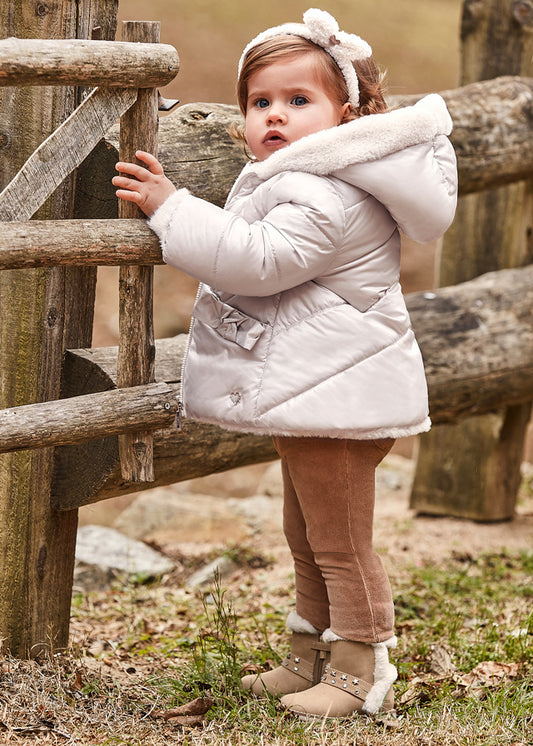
{"x":403,"y":158}
{"x":362,"y":140}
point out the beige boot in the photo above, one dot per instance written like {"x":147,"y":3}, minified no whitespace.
{"x":358,"y":678}
{"x":302,"y":668}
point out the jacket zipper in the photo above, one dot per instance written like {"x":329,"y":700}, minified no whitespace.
{"x":185,"y":355}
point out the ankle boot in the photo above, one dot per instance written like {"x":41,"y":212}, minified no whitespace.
{"x":302,"y":668}
{"x":358,"y":679}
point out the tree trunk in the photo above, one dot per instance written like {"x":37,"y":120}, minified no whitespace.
{"x":43,"y":311}
{"x":472,"y":470}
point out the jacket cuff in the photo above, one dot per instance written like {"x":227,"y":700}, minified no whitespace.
{"x":160,"y":220}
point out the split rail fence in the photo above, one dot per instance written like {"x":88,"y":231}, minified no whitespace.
{"x":464,"y":331}
{"x":126,"y":75}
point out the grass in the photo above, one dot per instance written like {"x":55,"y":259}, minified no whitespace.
{"x":465,"y":663}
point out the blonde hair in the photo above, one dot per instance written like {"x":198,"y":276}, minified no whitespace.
{"x":284,"y":46}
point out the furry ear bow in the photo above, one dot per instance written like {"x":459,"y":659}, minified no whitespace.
{"x":321,"y":28}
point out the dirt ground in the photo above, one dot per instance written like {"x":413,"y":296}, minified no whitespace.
{"x":402,"y":537}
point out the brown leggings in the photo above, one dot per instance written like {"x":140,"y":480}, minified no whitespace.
{"x":329,"y":492}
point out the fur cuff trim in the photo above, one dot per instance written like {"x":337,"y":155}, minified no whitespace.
{"x":330,"y":636}
{"x":385,"y":674}
{"x":296,"y":623}
{"x":161,"y":218}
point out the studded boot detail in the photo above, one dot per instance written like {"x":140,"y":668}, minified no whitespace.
{"x":302,"y":668}
{"x":357,"y":679}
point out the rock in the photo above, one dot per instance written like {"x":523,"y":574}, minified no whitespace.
{"x":241,"y":482}
{"x":220,"y":567}
{"x":112,"y":552}
{"x":260,"y":512}
{"x":394,"y":473}
{"x":188,"y":516}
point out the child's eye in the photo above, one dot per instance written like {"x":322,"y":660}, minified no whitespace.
{"x":261,"y":103}
{"x":299,"y":101}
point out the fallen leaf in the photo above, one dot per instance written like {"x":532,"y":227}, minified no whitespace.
{"x":490,"y":673}
{"x":78,"y":682}
{"x":441,"y":660}
{"x":196,"y":708}
{"x":268,"y":665}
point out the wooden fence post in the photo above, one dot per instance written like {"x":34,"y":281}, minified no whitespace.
{"x":138,"y":131}
{"x":43,"y":311}
{"x":472,"y":469}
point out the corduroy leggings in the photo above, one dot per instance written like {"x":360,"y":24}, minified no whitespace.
{"x":328,"y":513}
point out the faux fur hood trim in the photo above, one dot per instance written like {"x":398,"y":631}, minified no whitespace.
{"x":362,"y":140}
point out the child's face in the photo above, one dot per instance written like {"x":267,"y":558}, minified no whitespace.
{"x":286,"y":101}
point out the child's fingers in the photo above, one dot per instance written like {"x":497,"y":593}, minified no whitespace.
{"x":128,"y":196}
{"x":125,"y":183}
{"x":151,"y":161}
{"x":133,"y":169}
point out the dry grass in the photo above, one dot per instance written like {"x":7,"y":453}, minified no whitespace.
{"x":139,"y":652}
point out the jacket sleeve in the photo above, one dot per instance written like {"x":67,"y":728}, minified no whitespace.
{"x":296,"y":241}
{"x":417,"y":185}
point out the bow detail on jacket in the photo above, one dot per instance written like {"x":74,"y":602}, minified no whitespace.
{"x":229,"y":322}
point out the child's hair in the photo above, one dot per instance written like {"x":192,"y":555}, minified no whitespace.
{"x":371,"y":99}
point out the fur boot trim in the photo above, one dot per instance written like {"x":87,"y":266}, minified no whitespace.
{"x":296,"y":623}
{"x":385,"y":674}
{"x":329,"y":636}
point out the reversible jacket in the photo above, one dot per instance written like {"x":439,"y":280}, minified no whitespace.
{"x":300,"y":326}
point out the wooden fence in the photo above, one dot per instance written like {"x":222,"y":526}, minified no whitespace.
{"x":115,"y":429}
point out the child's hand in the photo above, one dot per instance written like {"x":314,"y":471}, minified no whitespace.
{"x":149,"y":188}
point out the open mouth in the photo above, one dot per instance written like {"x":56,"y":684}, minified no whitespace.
{"x":273,"y":138}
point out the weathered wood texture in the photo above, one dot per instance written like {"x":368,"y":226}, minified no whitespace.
{"x":492,"y":131}
{"x":81,"y":418}
{"x":55,"y":159}
{"x":477,"y":342}
{"x":42,"y":311}
{"x":473,"y":470}
{"x":72,"y":242}
{"x":136,"y":352}
{"x":476,"y":339}
{"x":43,"y":62}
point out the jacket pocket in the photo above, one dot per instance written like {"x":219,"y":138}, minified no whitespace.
{"x":228,"y":322}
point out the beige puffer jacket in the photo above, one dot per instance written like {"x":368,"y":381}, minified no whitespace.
{"x":301,"y":327}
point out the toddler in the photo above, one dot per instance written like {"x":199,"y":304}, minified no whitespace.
{"x":300,"y":329}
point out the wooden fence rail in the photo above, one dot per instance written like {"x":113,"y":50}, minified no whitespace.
{"x":123,"y":64}
{"x":81,"y":418}
{"x":78,"y":242}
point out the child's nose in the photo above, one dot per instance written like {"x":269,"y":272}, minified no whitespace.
{"x":276,"y":114}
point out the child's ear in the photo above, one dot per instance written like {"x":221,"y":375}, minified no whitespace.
{"x":347,"y":113}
